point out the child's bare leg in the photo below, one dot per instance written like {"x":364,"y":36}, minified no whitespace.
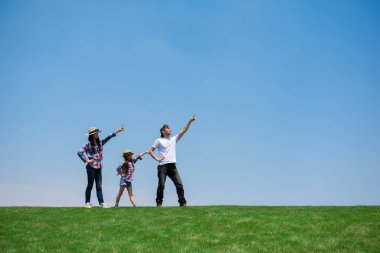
{"x":121,"y":190}
{"x":131,"y":197}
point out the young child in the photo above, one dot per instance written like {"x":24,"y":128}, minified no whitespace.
{"x":126,"y":170}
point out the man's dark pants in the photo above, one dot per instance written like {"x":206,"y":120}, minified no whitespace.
{"x":171,"y":171}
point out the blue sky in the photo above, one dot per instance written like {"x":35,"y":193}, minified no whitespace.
{"x":286,"y":93}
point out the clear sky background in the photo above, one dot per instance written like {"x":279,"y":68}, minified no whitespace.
{"x":286,"y":93}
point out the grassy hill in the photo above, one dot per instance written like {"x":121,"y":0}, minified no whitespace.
{"x":192,"y":229}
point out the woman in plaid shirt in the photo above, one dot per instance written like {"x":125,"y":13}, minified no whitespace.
{"x":94,"y":152}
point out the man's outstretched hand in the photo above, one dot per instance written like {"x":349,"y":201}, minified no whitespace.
{"x":192,"y":118}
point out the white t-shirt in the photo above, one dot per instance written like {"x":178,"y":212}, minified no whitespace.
{"x":166,"y":148}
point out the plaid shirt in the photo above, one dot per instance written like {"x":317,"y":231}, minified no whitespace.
{"x":127,"y":169}
{"x":94,"y":153}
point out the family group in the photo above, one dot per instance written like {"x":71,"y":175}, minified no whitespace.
{"x":92,"y":155}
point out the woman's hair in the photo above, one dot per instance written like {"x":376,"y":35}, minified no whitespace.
{"x":95,"y":141}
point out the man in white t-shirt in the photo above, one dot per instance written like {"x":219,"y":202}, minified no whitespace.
{"x":166,"y":146}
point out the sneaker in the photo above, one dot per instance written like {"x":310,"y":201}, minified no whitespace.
{"x":116,"y":205}
{"x":88,"y":205}
{"x":104,"y":205}
{"x":183,"y":205}
{"x":159,"y":205}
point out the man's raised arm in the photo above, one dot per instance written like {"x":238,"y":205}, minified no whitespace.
{"x":184,"y":130}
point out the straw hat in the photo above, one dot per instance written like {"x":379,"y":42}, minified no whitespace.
{"x":127,"y":151}
{"x":93,"y":130}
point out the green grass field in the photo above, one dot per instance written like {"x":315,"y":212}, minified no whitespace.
{"x":192,"y":229}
